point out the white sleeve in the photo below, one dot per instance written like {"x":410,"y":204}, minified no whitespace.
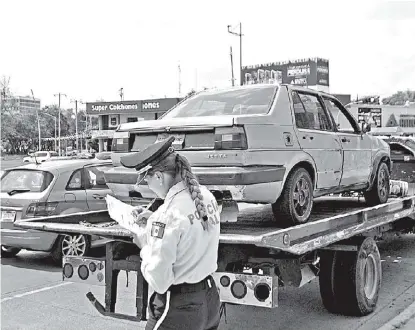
{"x":159,"y":255}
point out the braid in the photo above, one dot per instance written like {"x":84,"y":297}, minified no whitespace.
{"x":185,"y":171}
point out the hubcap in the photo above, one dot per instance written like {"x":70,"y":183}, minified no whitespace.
{"x":370,"y":277}
{"x":301,"y":196}
{"x":383,"y":183}
{"x":74,"y":245}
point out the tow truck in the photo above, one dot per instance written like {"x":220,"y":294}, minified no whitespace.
{"x":255,"y":258}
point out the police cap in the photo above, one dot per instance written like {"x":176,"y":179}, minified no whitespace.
{"x":147,"y":158}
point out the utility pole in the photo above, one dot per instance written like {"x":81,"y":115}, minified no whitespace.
{"x":233,"y":78}
{"x":76,"y":121}
{"x":180,"y":79}
{"x":240,"y":48}
{"x":38,"y":122}
{"x":59,"y":118}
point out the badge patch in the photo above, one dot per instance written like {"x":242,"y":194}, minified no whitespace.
{"x":157,"y":229}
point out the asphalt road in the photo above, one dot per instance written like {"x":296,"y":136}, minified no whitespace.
{"x":5,"y":164}
{"x":33,"y":296}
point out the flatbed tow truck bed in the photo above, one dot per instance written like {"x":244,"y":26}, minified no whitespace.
{"x":333,"y":219}
{"x":256,"y":257}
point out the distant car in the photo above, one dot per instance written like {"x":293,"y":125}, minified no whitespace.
{"x":50,"y":188}
{"x":40,"y":156}
{"x":265,"y":143}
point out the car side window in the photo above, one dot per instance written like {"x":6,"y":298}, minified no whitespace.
{"x":344,"y":125}
{"x":75,"y":181}
{"x":309,"y":112}
{"x":96,"y":178}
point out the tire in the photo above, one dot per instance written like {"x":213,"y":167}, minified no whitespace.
{"x":9,"y":252}
{"x":356,"y":281}
{"x":379,"y":193}
{"x":286,"y":211}
{"x":64,"y":243}
{"x":327,"y":280}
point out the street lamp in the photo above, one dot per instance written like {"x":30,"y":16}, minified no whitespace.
{"x":240,"y":47}
{"x":54,"y":117}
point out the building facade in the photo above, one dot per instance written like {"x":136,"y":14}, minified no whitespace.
{"x":112,"y":114}
{"x":23,"y":103}
{"x":386,"y":118}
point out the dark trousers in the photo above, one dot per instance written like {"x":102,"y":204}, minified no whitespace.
{"x":187,"y":309}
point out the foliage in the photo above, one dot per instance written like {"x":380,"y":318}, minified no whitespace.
{"x":19,"y":130}
{"x":400,"y":98}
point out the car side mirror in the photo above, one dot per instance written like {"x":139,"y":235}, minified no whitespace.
{"x":366,"y":127}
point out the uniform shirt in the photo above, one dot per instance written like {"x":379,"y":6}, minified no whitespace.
{"x":178,"y":249}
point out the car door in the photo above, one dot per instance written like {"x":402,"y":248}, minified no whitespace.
{"x":96,"y":187}
{"x":317,"y":137}
{"x":74,"y":196}
{"x":357,"y":147}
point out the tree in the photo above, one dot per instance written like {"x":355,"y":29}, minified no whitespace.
{"x":400,"y":98}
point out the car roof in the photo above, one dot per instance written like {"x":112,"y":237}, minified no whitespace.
{"x":61,"y":166}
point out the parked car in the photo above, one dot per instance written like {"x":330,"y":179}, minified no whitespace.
{"x":40,"y":156}
{"x":278,"y":144}
{"x":50,"y":188}
{"x":402,"y":148}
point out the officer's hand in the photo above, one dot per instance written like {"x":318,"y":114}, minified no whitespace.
{"x":141,"y":216}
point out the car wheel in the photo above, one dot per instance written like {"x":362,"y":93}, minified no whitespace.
{"x":9,"y":252}
{"x":296,"y":201}
{"x":379,"y":193}
{"x":71,"y":245}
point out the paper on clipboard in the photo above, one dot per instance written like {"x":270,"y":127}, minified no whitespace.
{"x":122,"y":214}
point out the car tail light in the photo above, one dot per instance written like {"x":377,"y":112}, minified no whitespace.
{"x":41,"y":209}
{"x":230,"y":138}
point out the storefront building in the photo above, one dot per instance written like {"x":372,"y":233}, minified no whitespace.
{"x":112,"y":114}
{"x":384,"y":119}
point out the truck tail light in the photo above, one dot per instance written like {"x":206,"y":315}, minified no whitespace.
{"x":41,"y":209}
{"x":230,"y":138}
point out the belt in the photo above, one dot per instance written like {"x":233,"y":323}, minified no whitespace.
{"x":192,"y":287}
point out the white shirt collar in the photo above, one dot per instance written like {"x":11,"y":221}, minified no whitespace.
{"x":174,"y":190}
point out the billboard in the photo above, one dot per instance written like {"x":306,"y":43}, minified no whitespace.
{"x":303,"y":72}
{"x":130,"y":107}
{"x":370,"y":115}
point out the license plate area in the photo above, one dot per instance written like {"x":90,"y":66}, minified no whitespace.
{"x":8,"y":216}
{"x":178,"y":142}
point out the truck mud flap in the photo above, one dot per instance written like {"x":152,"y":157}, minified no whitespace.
{"x":247,"y":289}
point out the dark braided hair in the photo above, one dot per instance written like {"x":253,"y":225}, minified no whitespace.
{"x":180,"y":166}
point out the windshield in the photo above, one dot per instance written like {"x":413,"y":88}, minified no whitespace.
{"x":41,"y":154}
{"x":243,"y":101}
{"x":28,"y":180}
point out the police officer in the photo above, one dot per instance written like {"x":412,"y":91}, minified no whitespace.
{"x":182,"y":242}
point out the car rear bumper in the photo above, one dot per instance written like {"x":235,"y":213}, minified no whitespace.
{"x":229,"y":175}
{"x":259,"y":184}
{"x":28,"y":239}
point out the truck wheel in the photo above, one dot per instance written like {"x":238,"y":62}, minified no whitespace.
{"x":327,"y":280}
{"x":9,"y":252}
{"x":296,"y":201}
{"x":379,"y":193}
{"x":70,"y":245}
{"x":356,"y":280}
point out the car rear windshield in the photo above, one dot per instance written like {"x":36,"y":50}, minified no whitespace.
{"x":242,"y":101}
{"x":27,"y":180}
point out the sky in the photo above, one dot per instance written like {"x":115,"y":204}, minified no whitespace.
{"x":89,"y":49}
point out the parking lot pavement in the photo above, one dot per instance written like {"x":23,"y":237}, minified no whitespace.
{"x":34,"y":297}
